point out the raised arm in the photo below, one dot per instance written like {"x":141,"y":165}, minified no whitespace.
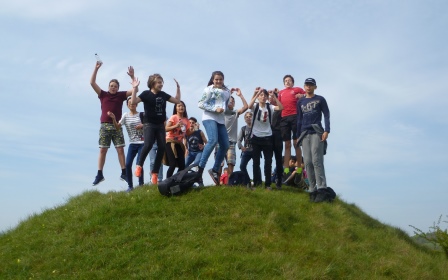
{"x":176,"y":99}
{"x":134,"y":98}
{"x":279,"y":105}
{"x":245,"y":106}
{"x":93,"y":83}
{"x":257,"y":92}
{"x":131,"y":74}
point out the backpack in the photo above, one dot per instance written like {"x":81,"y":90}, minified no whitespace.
{"x":326,"y":194}
{"x":179,"y":182}
{"x":237,"y":178}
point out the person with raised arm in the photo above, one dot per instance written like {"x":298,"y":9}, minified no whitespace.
{"x":214,"y":101}
{"x":261,"y":136}
{"x":154,"y":102}
{"x":111,"y":101}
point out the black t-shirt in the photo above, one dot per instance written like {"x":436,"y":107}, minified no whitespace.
{"x":155,"y":106}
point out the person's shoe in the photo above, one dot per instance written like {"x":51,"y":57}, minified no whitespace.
{"x":154,"y":177}
{"x":214,"y":176}
{"x":138,"y":171}
{"x":123,"y":178}
{"x":279,"y":187}
{"x":98,"y":179}
{"x":268,"y":188}
{"x":130,"y":189}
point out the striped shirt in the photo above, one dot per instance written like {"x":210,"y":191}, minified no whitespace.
{"x":130,"y":121}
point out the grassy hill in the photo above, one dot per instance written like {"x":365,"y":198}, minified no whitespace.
{"x":211,"y":233}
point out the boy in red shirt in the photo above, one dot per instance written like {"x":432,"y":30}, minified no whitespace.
{"x":289,"y":96}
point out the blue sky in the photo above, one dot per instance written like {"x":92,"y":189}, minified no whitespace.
{"x":381,"y":65}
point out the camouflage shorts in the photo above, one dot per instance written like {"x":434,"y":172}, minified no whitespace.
{"x":109,"y":133}
{"x":230,"y":156}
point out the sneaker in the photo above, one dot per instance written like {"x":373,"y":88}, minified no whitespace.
{"x":249,"y":186}
{"x":268,"y":188}
{"x":129,"y":189}
{"x":138,"y":171}
{"x":123,"y":178}
{"x":154,"y":177}
{"x":98,"y":179}
{"x":279,"y":187}
{"x":214,"y":176}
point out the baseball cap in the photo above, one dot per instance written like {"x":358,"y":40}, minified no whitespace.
{"x":310,"y":81}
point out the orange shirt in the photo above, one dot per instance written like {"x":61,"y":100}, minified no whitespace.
{"x":178,"y":134}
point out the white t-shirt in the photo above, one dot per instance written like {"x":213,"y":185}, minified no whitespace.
{"x":262,"y":125}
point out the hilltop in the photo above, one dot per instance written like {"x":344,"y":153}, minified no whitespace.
{"x":211,"y":233}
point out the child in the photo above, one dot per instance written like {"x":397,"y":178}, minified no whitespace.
{"x":154,"y":101}
{"x":177,"y":127}
{"x":313,"y":137}
{"x":134,"y":127}
{"x":112,"y":101}
{"x":224,"y":177}
{"x":195,"y":143}
{"x":231,"y":121}
{"x":214,"y":101}
{"x":289,"y":96}
{"x":261,"y":137}
{"x":246,"y":148}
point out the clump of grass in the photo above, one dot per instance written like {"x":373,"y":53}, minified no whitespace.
{"x":436,"y":236}
{"x":210,"y":233}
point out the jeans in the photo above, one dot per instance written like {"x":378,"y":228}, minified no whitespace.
{"x":216,"y":133}
{"x":313,"y":156}
{"x":245,"y":158}
{"x":193,"y":157}
{"x":152,"y":159}
{"x":133,"y":150}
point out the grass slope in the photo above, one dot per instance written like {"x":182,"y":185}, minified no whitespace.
{"x":211,"y":233}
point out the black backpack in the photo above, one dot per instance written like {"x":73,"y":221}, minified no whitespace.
{"x":237,"y":178}
{"x":179,"y":182}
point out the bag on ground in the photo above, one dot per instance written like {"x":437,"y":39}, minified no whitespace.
{"x":179,"y":182}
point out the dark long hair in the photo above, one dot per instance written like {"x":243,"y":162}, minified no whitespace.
{"x":210,"y":82}
{"x":185,"y":112}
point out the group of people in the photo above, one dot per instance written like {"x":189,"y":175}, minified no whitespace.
{"x":292,"y":116}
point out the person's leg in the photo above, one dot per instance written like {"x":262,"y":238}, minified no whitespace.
{"x":285,"y":126}
{"x":245,"y":157}
{"x":223,"y":140}
{"x":132,"y":152}
{"x":171,"y":160}
{"x":139,"y":151}
{"x":212,"y":134}
{"x":161,"y":146}
{"x":267,"y":154}
{"x":256,"y":154}
{"x":197,"y":158}
{"x":152,"y":156}
{"x":119,"y":143}
{"x":190,"y":158}
{"x":317,"y":153}
{"x":180,"y":158}
{"x":231,"y":158}
{"x":104,"y":144}
{"x":149,"y":135}
{"x":308,"y":160}
{"x":278,"y":150}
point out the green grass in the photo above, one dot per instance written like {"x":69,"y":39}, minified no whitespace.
{"x":211,"y":233}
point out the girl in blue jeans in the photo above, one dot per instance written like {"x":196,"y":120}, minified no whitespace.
{"x":214,"y":101}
